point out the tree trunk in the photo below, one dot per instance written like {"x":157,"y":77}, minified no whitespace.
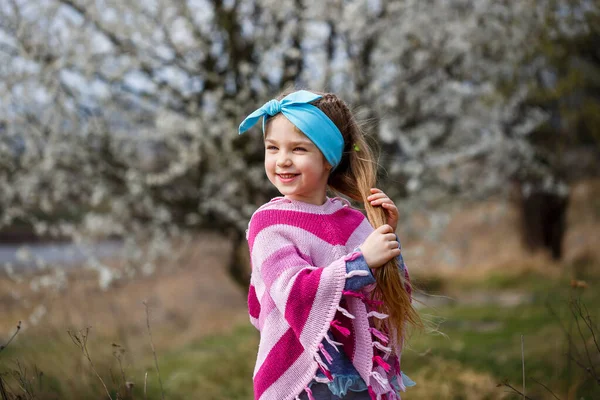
{"x":543,"y":219}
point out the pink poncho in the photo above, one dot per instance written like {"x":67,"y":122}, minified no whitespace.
{"x":298,"y":254}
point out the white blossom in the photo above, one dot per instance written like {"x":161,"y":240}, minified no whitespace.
{"x":122,"y":119}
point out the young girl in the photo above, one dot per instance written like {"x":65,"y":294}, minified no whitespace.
{"x":322,"y":288}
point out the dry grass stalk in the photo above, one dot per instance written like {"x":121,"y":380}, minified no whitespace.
{"x":162,"y":392}
{"x":80,"y":340}
{"x":145,"y":384}
{"x":523,"y":362}
{"x":2,"y":347}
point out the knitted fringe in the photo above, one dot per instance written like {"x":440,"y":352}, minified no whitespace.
{"x":345,"y":312}
{"x":321,"y":379}
{"x":394,"y":396}
{"x":343,"y":330}
{"x":382,"y":347}
{"x":333,"y":343}
{"x":371,"y":393}
{"x":379,"y":335}
{"x":353,"y":256}
{"x":323,"y":367}
{"x":382,"y":363}
{"x":351,"y":293}
{"x":397,"y":366}
{"x":364,"y":298}
{"x":357,"y":272}
{"x":327,"y":356}
{"x":309,"y":393}
{"x":380,"y":379}
{"x":377,"y":315}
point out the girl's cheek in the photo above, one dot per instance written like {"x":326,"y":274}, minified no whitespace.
{"x":269,"y":163}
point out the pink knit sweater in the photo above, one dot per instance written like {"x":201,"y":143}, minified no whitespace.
{"x":298,"y":254}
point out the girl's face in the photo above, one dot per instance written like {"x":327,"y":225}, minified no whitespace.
{"x":294,"y":164}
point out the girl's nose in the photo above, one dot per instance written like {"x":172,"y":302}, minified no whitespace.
{"x":284,"y":161}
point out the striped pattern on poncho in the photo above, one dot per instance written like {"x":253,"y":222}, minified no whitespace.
{"x":296,"y":295}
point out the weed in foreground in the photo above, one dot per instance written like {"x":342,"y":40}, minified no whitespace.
{"x":20,"y":384}
{"x":583,"y":345}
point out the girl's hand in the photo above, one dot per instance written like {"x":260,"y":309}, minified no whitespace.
{"x":378,"y":198}
{"x":380,"y":247}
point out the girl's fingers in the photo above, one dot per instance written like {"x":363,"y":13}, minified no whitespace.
{"x":378,"y":202}
{"x":390,"y":208}
{"x":381,"y":200}
{"x":377,"y":196}
{"x":385,"y":228}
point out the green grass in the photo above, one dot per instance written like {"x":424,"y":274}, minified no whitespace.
{"x":480,"y":347}
{"x":487,"y":339}
{"x":217,"y":367}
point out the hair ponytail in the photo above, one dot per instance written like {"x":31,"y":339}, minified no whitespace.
{"x":354,"y":177}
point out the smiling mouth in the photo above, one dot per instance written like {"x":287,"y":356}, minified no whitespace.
{"x":287,"y":176}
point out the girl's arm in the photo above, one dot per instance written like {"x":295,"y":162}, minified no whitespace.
{"x":356,"y":262}
{"x":403,"y":269}
{"x":283,"y":277}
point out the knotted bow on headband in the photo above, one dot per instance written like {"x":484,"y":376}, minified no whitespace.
{"x":306,"y":117}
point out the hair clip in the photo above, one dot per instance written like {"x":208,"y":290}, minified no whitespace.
{"x":355,"y":147}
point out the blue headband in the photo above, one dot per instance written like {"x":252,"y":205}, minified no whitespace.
{"x":309,"y":119}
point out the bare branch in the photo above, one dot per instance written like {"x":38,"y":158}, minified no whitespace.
{"x":508,"y":385}
{"x":545,"y":387}
{"x":577,"y":313}
{"x":591,"y":327}
{"x":585,"y":368}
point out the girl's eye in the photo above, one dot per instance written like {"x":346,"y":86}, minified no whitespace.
{"x":299,"y":149}
{"x":271,"y":148}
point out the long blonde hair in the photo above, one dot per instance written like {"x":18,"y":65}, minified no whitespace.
{"x":354,"y":176}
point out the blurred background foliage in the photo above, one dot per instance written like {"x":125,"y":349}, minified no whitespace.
{"x":122,"y":178}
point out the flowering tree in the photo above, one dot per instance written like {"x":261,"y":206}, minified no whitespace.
{"x":120,"y":118}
